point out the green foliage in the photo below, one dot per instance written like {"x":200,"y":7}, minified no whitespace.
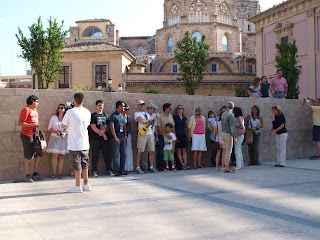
{"x":288,"y":63}
{"x":76,"y":89}
{"x":241,"y":92}
{"x":192,"y":57}
{"x":150,"y":90}
{"x":42,"y":50}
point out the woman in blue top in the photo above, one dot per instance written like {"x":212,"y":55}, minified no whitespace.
{"x":265,"y":87}
{"x":181,"y":127}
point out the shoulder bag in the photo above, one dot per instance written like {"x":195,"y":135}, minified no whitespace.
{"x":248,"y":137}
{"x":240,"y":131}
{"x":216,"y":144}
{"x":39,"y":141}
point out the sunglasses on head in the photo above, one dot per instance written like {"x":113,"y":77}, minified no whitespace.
{"x":60,"y":107}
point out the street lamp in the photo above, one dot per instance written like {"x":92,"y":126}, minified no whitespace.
{"x":109,"y":88}
{"x":120,"y":87}
{"x":99,"y":86}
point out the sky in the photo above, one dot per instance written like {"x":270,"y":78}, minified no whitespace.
{"x":131,"y":17}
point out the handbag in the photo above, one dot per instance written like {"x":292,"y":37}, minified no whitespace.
{"x":240,"y":131}
{"x":248,"y":137}
{"x":39,"y":141}
{"x":216,"y":145}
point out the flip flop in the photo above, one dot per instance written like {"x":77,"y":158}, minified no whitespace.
{"x":53,"y":176}
{"x":229,"y":171}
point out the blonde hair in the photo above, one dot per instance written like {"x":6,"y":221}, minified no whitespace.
{"x":278,"y":109}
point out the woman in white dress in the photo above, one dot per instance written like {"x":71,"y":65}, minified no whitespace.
{"x":128,"y":167}
{"x":58,"y":140}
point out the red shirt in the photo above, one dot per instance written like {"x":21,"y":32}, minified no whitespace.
{"x":29,"y":116}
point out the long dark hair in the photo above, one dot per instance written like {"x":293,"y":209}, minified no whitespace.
{"x":237,"y":112}
{"x":65,"y":109}
{"x":256,"y":107}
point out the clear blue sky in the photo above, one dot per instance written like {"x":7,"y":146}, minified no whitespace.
{"x":132,"y":18}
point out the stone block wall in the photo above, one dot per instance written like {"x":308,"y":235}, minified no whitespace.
{"x":299,"y":123}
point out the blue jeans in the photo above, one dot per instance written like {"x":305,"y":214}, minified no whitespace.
{"x":119,"y":155}
{"x":238,"y":151}
{"x":213,"y":155}
{"x":279,"y":95}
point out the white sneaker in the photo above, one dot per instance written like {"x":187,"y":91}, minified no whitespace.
{"x":86,"y":187}
{"x":95,"y":174}
{"x":75,"y":189}
{"x":237,"y":168}
{"x":111,"y":174}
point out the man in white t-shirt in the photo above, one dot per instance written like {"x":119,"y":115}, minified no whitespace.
{"x":78,"y":119}
{"x":143,"y":118}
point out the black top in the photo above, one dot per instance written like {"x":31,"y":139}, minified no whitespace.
{"x":277,"y":122}
{"x":265,"y":90}
{"x":101,"y":121}
{"x":180,"y":125}
{"x":128,"y":125}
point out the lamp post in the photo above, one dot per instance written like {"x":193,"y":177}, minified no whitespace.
{"x":120,"y":87}
{"x":109,"y":88}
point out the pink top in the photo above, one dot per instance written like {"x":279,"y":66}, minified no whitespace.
{"x":279,"y":85}
{"x":199,"y":127}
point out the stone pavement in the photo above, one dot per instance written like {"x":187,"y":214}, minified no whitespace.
{"x":255,"y":203}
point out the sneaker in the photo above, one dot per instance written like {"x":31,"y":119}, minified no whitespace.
{"x":237,"y":168}
{"x":153,"y":170}
{"x":174,"y":169}
{"x":75,"y":189}
{"x":111,"y":174}
{"x":124,"y":173}
{"x":139,"y":171}
{"x":166,"y":170}
{"x":86,"y":187}
{"x":95,"y":174}
{"x":37,"y":177}
{"x":221,"y":168}
{"x":117,"y":174}
{"x":28,"y":179}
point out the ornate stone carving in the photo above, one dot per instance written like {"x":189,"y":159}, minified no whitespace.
{"x":198,"y":12}
{"x":174,"y":16}
{"x":224,"y":13}
{"x":310,"y":13}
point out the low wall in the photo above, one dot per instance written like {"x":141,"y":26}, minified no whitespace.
{"x":299,"y":122}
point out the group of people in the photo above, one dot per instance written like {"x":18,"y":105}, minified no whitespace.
{"x":261,"y":88}
{"x":72,"y":128}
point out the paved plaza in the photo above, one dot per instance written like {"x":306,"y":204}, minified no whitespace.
{"x":255,"y":203}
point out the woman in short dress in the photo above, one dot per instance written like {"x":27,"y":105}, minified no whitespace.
{"x":58,"y":140}
{"x":217,"y":130}
{"x":197,"y":131}
{"x":181,"y":127}
{"x":128,"y":167}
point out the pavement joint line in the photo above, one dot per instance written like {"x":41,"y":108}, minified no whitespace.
{"x":299,"y":168}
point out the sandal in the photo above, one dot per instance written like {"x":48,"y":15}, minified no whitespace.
{"x":277,"y":165}
{"x":229,"y":171}
{"x":60,"y":176}
{"x":53,"y":175}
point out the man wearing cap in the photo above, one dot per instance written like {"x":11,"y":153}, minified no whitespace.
{"x":229,"y":134}
{"x":143,"y":118}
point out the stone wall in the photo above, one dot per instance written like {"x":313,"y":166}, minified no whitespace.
{"x":13,"y":100}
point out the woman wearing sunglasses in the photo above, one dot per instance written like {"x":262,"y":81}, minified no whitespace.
{"x":128,"y":167}
{"x":197,"y":131}
{"x":58,"y":140}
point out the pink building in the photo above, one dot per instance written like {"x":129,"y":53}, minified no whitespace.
{"x":293,"y":19}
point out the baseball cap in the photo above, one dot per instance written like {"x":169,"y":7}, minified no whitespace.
{"x":230,"y":105}
{"x":151,"y":105}
{"x":141,"y":102}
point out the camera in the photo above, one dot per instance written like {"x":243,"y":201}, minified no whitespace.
{"x":69,"y":105}
{"x":61,"y":134}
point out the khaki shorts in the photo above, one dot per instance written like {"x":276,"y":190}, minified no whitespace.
{"x":79,"y":159}
{"x":143,"y":141}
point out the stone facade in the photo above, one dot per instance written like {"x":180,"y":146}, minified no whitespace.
{"x":292,"y":20}
{"x":299,"y":123}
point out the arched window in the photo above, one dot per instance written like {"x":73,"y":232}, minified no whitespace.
{"x":224,"y":43}
{"x":93,"y":32}
{"x":224,"y":13}
{"x":197,"y":35}
{"x":141,"y":51}
{"x":170,"y":45}
{"x":198,"y":12}
{"x":174,"y":16}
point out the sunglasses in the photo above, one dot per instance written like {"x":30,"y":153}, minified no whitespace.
{"x":142,"y":104}
{"x":198,"y":114}
{"x":60,"y":107}
{"x":127,"y":109}
{"x":180,"y":108}
{"x":36,"y":101}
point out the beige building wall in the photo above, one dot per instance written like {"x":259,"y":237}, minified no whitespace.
{"x":12,"y":101}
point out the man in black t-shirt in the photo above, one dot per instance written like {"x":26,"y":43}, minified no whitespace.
{"x":99,"y":127}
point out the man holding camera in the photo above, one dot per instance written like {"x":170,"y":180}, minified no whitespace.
{"x":29,"y":120}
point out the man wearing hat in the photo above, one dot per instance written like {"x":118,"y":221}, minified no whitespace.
{"x":143,"y":118}
{"x":229,"y":134}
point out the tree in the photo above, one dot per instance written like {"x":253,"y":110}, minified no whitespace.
{"x":42,"y":50}
{"x":288,"y":63}
{"x":192,"y":57}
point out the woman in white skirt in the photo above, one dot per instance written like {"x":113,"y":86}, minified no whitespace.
{"x":58,"y":140}
{"x":197,"y":130}
{"x":128,"y":167}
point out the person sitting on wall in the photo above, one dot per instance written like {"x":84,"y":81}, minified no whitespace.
{"x":316,"y":124}
{"x":279,"y":85}
{"x":28,"y":120}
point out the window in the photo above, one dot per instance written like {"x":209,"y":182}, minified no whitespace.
{"x":249,"y":28}
{"x":224,"y":13}
{"x":224,"y":44}
{"x":175,"y":68}
{"x":250,"y":68}
{"x":170,"y":45}
{"x":214,"y":67}
{"x":141,"y":51}
{"x":64,"y":77}
{"x":174,"y":16}
{"x":198,"y":12}
{"x":285,"y":39}
{"x":101,"y":75}
{"x":198,"y":36}
{"x":93,"y":32}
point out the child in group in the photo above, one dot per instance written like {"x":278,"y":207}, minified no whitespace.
{"x":254,"y":88}
{"x":265,"y":87}
{"x":169,"y":147}
{"x":211,"y":122}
